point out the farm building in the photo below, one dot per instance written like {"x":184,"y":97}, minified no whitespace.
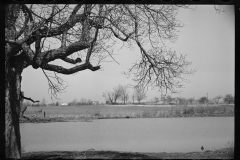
{"x":95,"y":102}
{"x":64,"y":104}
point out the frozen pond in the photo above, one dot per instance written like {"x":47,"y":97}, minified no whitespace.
{"x":136,"y":135}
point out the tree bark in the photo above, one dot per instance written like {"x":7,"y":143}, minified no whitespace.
{"x":12,"y":111}
{"x":13,"y":70}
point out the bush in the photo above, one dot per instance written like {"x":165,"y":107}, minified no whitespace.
{"x":188,"y":110}
{"x":200,"y":110}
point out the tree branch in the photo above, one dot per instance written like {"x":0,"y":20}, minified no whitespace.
{"x":117,"y":36}
{"x":72,"y":61}
{"x":64,"y":39}
{"x":63,"y":51}
{"x":30,"y":99}
{"x":91,"y":47}
{"x":48,"y":56}
{"x":11,"y":41}
{"x":28,"y":15}
{"x":62,"y":70}
{"x":76,"y":8}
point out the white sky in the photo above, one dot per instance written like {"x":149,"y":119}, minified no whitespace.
{"x":208,"y":39}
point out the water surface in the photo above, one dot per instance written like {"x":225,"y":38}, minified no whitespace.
{"x":136,"y":135}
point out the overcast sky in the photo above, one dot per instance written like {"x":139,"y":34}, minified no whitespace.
{"x":208,"y":39}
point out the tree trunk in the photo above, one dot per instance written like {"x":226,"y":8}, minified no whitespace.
{"x":12,"y":111}
{"x":13,"y":70}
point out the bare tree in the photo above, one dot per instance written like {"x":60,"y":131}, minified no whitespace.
{"x":228,"y":99}
{"x":140,"y":93}
{"x":191,"y":100}
{"x":203,"y":100}
{"x":217,"y":98}
{"x":73,"y":103}
{"x":44,"y":102}
{"x":163,"y":99}
{"x":156,"y":99}
{"x":124,"y":93}
{"x":109,"y":96}
{"x":86,"y":34}
{"x":169,"y":99}
{"x":117,"y":93}
{"x":83,"y":101}
{"x":89,"y":102}
{"x":133,"y":97}
{"x":182,"y":100}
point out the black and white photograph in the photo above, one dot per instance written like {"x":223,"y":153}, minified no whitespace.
{"x":119,"y":81}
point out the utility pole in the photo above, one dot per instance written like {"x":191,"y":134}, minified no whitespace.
{"x":207,"y":99}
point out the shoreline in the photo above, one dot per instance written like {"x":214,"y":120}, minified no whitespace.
{"x":224,"y":153}
{"x":90,"y":119}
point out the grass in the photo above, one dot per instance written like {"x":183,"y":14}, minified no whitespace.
{"x":221,"y":153}
{"x":225,"y":153}
{"x":108,"y":112}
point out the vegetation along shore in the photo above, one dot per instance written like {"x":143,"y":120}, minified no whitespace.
{"x":225,"y":153}
{"x":89,"y":113}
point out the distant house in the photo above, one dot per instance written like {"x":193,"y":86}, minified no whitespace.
{"x":64,"y":104}
{"x":95,"y":102}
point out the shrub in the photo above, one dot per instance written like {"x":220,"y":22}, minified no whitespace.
{"x":200,"y":109}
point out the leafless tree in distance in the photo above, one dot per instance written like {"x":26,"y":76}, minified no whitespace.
{"x":140,"y":93}
{"x":217,"y":98}
{"x":124,"y":93}
{"x":191,"y":100}
{"x":133,"y":97}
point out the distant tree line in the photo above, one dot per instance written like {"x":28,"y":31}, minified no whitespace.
{"x":83,"y":101}
{"x":227,"y":99}
{"x":120,"y":94}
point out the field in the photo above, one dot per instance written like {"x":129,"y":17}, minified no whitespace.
{"x":130,"y":111}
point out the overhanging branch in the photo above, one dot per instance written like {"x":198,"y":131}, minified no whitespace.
{"x":62,"y":70}
{"x":30,"y":99}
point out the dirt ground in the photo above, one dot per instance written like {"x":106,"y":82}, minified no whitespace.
{"x":226,"y":153}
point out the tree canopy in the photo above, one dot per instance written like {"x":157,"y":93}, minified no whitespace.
{"x":87,"y":34}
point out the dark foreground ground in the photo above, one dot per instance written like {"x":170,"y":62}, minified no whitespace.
{"x":226,"y":153}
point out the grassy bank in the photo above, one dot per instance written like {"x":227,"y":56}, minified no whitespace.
{"x":225,"y":153}
{"x":86,"y":113}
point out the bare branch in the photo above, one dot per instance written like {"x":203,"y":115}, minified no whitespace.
{"x":62,"y":70}
{"x":64,"y":38}
{"x":30,"y":99}
{"x":54,"y":88}
{"x":72,"y":61}
{"x":11,"y":41}
{"x":91,"y":46}
{"x":77,"y":7}
{"x":28,"y":16}
{"x":117,"y":36}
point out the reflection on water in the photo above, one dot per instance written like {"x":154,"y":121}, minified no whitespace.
{"x":137,"y":135}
